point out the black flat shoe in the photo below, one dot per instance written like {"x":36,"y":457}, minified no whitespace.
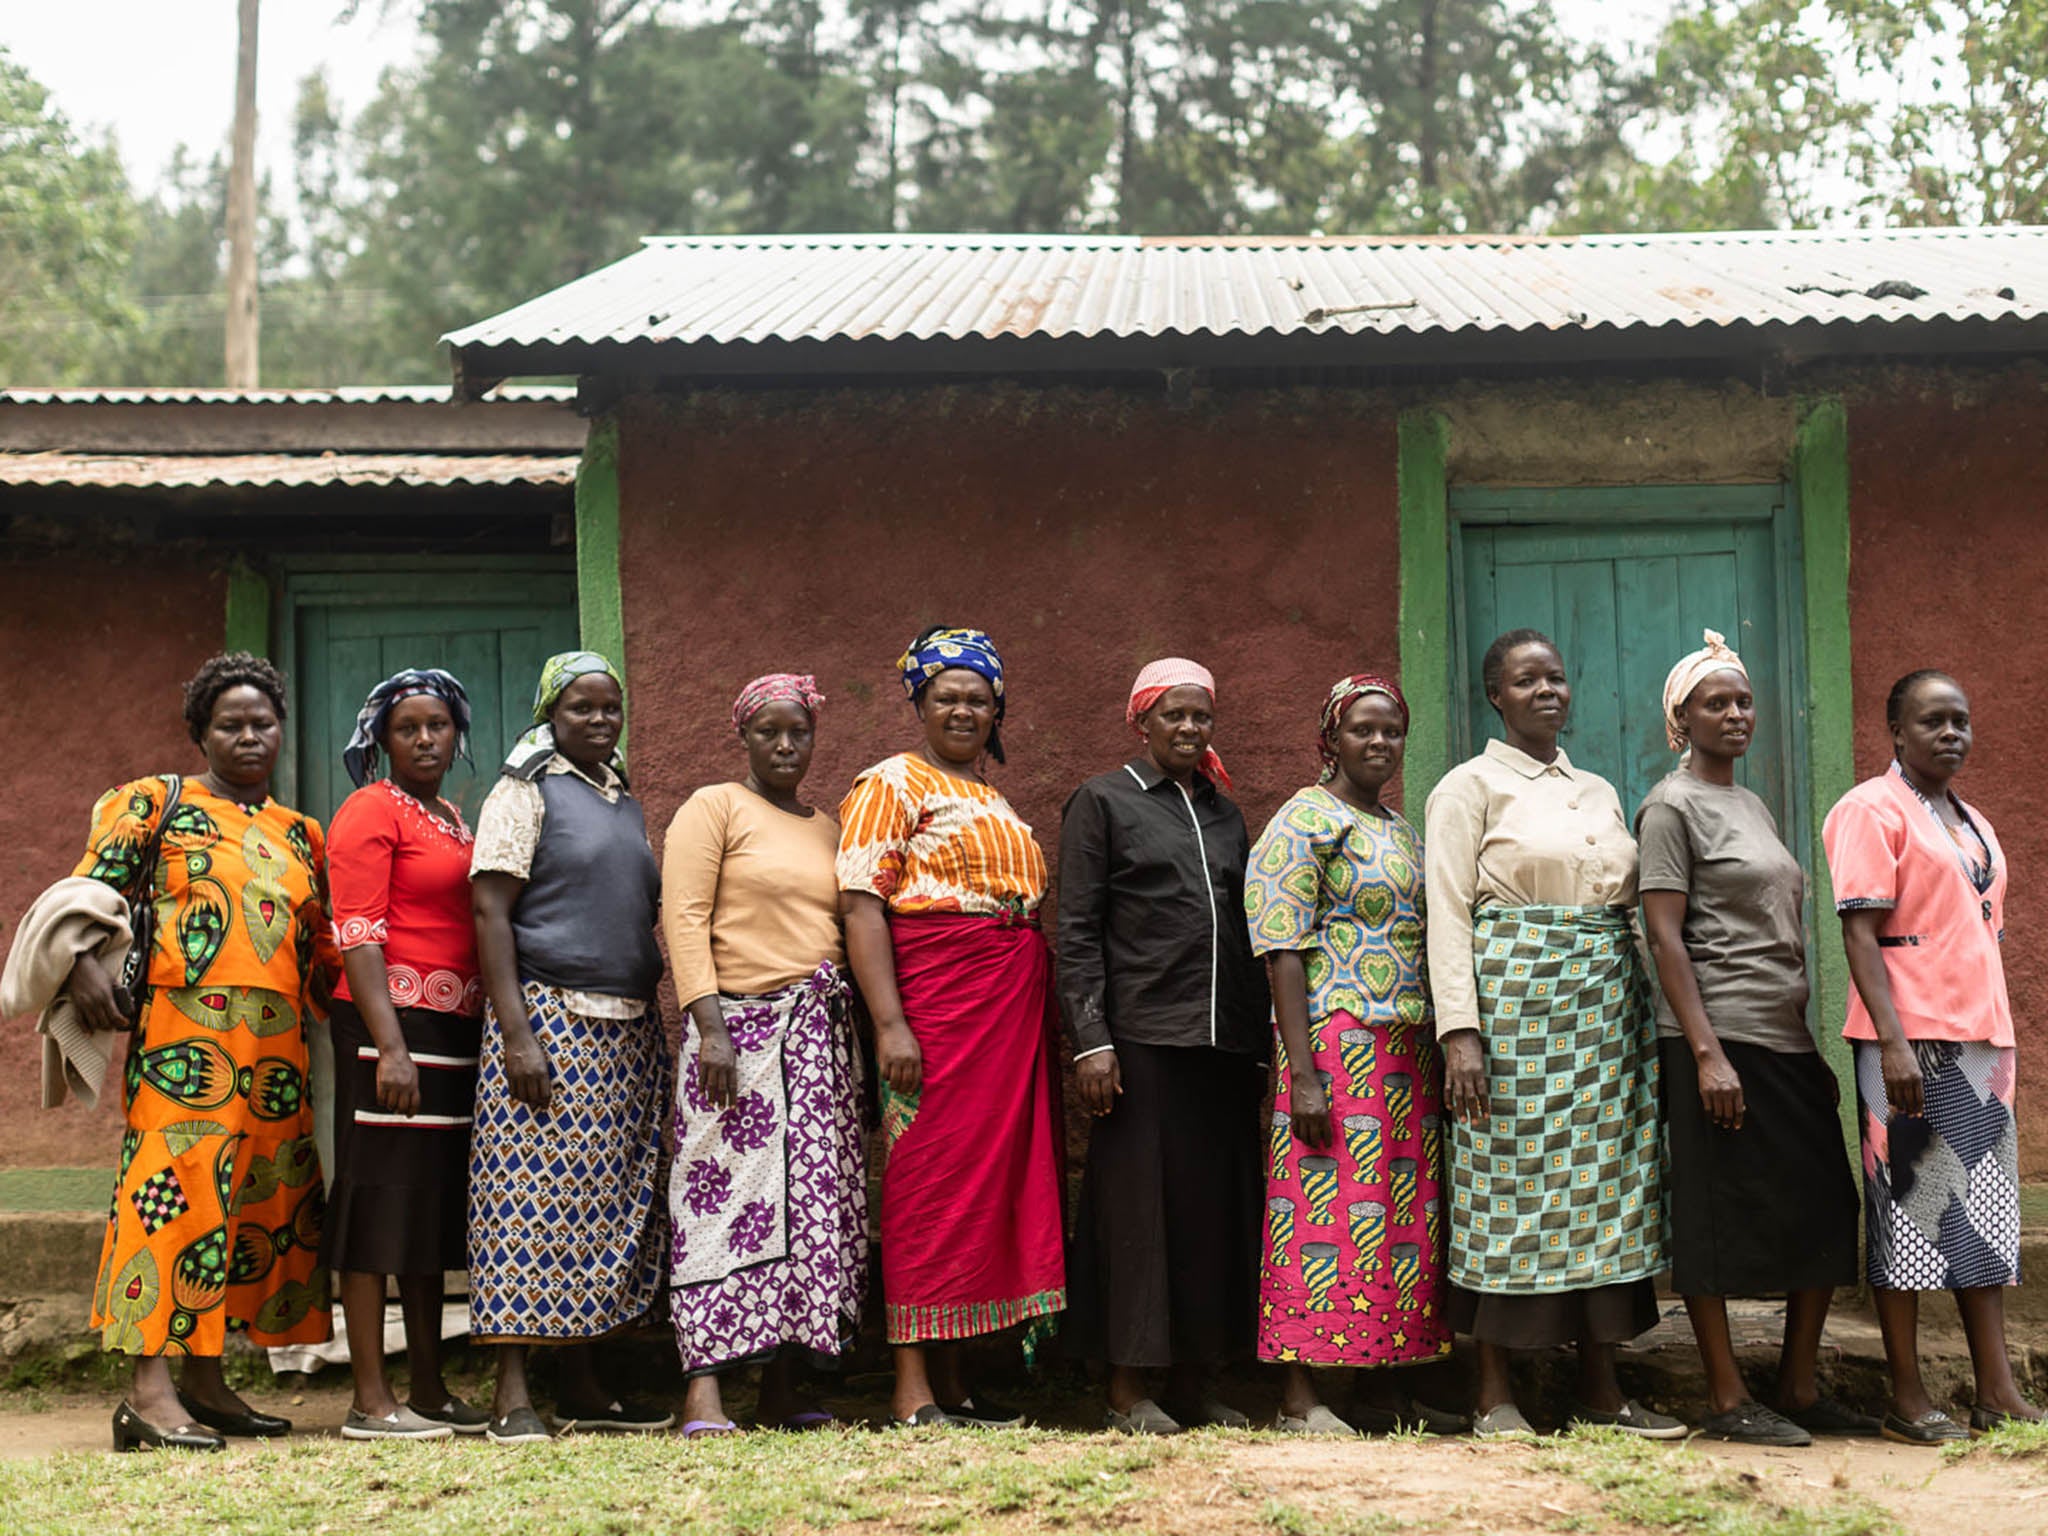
{"x":132,"y":1432}
{"x":248,"y":1423}
{"x":1932,"y":1428}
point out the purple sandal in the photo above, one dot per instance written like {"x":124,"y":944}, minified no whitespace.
{"x":700,"y":1427}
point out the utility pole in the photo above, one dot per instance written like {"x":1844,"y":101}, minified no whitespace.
{"x":242,"y":317}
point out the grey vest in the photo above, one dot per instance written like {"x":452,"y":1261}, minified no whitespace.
{"x":586,"y":918}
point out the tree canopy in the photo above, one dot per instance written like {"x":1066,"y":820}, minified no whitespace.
{"x":530,"y":141}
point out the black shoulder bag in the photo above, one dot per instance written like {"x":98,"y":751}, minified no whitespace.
{"x":134,"y":978}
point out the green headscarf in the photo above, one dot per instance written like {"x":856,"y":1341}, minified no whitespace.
{"x":530,"y":753}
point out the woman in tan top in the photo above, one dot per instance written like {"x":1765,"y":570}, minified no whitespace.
{"x":1550,"y":1052}
{"x":769,"y":1194}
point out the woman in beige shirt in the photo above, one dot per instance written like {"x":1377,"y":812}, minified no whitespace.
{"x":1550,"y":1052}
{"x":768,"y":1198}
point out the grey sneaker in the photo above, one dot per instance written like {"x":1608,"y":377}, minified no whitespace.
{"x":457,"y":1415}
{"x":1319,"y":1420}
{"x":1505,"y":1422}
{"x":1634,"y":1419}
{"x":401,"y":1424}
{"x":1145,"y":1418}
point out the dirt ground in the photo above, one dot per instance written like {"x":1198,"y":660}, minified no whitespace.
{"x":1257,"y":1483}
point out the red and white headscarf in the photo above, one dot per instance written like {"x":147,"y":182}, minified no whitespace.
{"x":1152,"y":684}
{"x":798,"y":688}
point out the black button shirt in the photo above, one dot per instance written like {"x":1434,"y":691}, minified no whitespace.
{"x":1153,"y":947}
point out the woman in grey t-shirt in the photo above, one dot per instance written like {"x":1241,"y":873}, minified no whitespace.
{"x":1761,"y":1198}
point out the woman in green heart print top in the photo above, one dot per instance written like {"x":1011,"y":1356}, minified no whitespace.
{"x":1352,"y":1264}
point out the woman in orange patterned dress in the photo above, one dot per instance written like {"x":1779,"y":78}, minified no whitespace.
{"x":216,"y":1215}
{"x":940,"y":882}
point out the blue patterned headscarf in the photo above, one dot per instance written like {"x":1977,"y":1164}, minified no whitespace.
{"x":359,"y":757}
{"x":940,"y":650}
{"x":530,"y":753}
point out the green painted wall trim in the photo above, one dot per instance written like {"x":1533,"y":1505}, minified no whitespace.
{"x":600,"y":601}
{"x":1820,"y":469}
{"x":1424,"y":439}
{"x":248,"y":615}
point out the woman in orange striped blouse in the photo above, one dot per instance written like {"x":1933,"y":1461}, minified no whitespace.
{"x":940,"y":882}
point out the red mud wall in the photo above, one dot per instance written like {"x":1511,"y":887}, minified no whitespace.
{"x":1088,"y":532}
{"x":1948,"y":568}
{"x":98,"y":649}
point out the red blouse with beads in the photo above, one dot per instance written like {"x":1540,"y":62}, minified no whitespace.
{"x":400,"y":878}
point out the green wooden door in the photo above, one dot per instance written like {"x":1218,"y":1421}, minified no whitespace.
{"x":349,"y":630}
{"x":1625,"y":581}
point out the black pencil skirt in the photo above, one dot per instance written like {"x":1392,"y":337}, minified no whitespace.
{"x":398,"y":1194}
{"x":1769,"y":1208}
{"x":1162,"y":1268}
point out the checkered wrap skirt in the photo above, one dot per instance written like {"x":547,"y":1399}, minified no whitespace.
{"x":1561,"y":1188}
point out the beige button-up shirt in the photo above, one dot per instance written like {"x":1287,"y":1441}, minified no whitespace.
{"x":1504,"y":830}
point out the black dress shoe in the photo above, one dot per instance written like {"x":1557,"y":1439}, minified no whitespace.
{"x":132,"y":1432}
{"x":249,"y":1423}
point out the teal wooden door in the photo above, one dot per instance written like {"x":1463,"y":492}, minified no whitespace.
{"x":348,"y":631}
{"x":1625,"y":581}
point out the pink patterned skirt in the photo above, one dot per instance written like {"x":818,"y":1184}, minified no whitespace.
{"x":1352,"y":1253}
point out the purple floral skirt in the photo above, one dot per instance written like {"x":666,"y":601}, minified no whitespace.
{"x":769,"y":1198}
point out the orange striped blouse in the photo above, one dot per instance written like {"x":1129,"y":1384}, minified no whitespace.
{"x":925,"y":841}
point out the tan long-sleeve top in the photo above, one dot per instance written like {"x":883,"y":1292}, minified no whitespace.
{"x":749,"y":901}
{"x":1504,"y":830}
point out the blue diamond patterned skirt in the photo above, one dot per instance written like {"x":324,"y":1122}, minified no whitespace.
{"x":567,"y":1220}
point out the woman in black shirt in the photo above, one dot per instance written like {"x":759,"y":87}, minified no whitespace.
{"x":1167,"y":1008}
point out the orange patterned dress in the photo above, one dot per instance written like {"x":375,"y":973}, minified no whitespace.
{"x":927,"y":841}
{"x":216,"y":1213}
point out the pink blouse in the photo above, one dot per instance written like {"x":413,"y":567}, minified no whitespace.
{"x":1888,"y":850}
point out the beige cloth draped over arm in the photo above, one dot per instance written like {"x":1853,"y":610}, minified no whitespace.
{"x":1503,"y":830}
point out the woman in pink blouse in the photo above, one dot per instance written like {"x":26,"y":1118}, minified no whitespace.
{"x":1919,"y":882}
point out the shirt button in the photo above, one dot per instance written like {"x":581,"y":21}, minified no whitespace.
{"x":1590,"y":838}
{"x":1571,"y":805}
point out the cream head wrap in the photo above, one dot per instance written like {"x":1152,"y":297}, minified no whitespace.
{"x":1710,"y":658}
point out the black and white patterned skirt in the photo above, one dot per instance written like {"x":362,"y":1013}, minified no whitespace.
{"x":1941,"y":1190}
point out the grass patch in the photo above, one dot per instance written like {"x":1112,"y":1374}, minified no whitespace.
{"x":1019,"y":1480}
{"x":1292,"y":1520}
{"x":2009,"y":1442}
{"x":1661,"y":1488}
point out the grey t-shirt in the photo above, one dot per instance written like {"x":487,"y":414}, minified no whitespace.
{"x":1744,"y":925}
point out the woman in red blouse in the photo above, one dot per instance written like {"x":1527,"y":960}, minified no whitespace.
{"x":406,"y":1020}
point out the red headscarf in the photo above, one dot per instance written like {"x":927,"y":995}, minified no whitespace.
{"x":798,"y":688}
{"x":1153,"y":683}
{"x":1342,"y":696}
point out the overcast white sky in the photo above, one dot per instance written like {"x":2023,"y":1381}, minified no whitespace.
{"x":158,"y":73}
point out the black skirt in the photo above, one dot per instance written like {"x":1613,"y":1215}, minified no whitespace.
{"x":398,"y":1194}
{"x":1163,"y":1266}
{"x":1770,"y":1208}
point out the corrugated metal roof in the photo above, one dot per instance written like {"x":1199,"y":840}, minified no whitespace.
{"x":359,"y":394}
{"x":175,"y":471}
{"x":722,"y":292}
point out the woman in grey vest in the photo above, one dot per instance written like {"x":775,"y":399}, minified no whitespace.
{"x":565,"y":1217}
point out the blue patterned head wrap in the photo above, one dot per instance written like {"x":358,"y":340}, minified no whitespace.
{"x":531,"y":751}
{"x":359,"y":757}
{"x":941,"y":649}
